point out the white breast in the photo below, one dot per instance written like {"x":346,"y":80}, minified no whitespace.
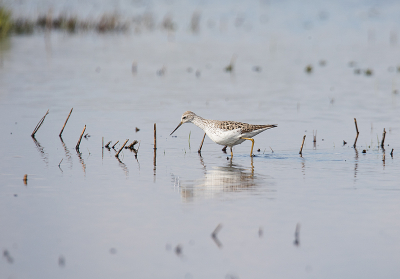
{"x":229,"y":137}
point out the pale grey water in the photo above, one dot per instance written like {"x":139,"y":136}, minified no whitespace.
{"x":110,"y":219}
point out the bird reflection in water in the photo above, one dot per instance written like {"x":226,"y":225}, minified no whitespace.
{"x":219,"y":180}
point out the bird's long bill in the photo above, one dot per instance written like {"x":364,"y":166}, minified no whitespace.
{"x":176,"y":128}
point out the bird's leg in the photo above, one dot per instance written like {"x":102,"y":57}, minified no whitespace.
{"x":201,"y":145}
{"x":252,"y":145}
{"x":231,"y":152}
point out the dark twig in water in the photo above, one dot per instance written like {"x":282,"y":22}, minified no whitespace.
{"x":115,"y":144}
{"x":302,"y":144}
{"x":122,"y":147}
{"x":131,"y":146}
{"x":271,"y":149}
{"x":65,"y":123}
{"x":108,"y":145}
{"x":391,"y":153}
{"x":355,"y":141}
{"x":201,"y":144}
{"x":80,"y":139}
{"x":260,"y":232}
{"x":25,"y":179}
{"x":8,"y":257}
{"x":315,"y":139}
{"x":39,"y":124}
{"x":383,"y":139}
{"x":297,"y":235}
{"x":214,"y":235}
{"x":178,"y":250}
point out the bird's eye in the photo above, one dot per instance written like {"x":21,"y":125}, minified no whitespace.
{"x":184,"y":117}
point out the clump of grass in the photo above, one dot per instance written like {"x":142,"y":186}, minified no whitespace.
{"x":23,"y":26}
{"x":5,"y":22}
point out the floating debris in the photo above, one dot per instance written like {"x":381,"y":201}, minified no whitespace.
{"x":25,"y":179}
{"x":368,"y":72}
{"x":231,"y":67}
{"x":309,"y":69}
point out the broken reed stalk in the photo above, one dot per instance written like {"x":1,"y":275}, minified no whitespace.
{"x":80,"y":138}
{"x":302,"y":144}
{"x":115,"y":144}
{"x":155,"y":136}
{"x":39,"y":124}
{"x":355,"y":141}
{"x":201,"y":144}
{"x":391,"y":153}
{"x":122,"y":147}
{"x":315,"y":136}
{"x":383,"y":139}
{"x":108,"y":145}
{"x":62,"y":130}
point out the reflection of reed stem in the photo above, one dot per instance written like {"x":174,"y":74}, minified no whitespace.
{"x":355,"y":141}
{"x":62,"y":130}
{"x":80,"y":139}
{"x":302,"y":144}
{"x":39,"y":124}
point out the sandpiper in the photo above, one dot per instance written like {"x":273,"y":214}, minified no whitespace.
{"x":227,"y":133}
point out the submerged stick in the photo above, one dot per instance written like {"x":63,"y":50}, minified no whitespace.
{"x":201,"y":144}
{"x":355,"y":141}
{"x":302,"y":144}
{"x":39,"y":124}
{"x":391,"y":153}
{"x":383,"y":139}
{"x":62,"y":130}
{"x":80,"y":138}
{"x":155,"y":136}
{"x":122,"y":147}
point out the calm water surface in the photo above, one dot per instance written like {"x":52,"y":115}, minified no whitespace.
{"x":89,"y":215}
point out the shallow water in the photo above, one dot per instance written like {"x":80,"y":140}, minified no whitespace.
{"x":88,"y":214}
